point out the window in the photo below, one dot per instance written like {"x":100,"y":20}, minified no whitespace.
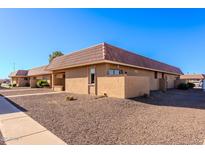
{"x":25,"y":79}
{"x":92,"y":75}
{"x":114,"y":72}
{"x":155,"y":75}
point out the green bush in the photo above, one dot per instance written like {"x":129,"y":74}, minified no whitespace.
{"x":42,"y":83}
{"x":183,"y":86}
{"x":191,"y":85}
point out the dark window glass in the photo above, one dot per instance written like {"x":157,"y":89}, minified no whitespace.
{"x":92,"y":75}
{"x":155,"y":75}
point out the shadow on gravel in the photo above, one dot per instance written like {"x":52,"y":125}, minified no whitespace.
{"x":175,"y":98}
{"x":6,"y":110}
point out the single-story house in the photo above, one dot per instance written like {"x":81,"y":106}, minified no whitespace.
{"x":19,"y":78}
{"x":197,"y":79}
{"x":104,"y":69}
{"x":39,"y":73}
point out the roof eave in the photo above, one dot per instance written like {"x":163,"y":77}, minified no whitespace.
{"x":112,"y":62}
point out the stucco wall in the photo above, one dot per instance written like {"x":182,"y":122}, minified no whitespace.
{"x":20,"y":81}
{"x":154,"y":84}
{"x":123,"y":86}
{"x":14,"y":80}
{"x":113,"y":86}
{"x":170,"y":81}
{"x":76,"y":80}
{"x":33,"y":82}
{"x":136,"y":86}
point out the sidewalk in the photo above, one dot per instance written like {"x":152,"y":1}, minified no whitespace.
{"x":18,"y":128}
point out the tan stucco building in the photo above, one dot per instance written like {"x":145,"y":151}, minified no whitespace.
{"x":39,"y":73}
{"x":30,"y":77}
{"x":19,"y":78}
{"x":104,"y":69}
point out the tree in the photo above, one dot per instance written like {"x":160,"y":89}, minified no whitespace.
{"x":54,"y":55}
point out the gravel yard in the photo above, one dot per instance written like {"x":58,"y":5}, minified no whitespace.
{"x":175,"y":117}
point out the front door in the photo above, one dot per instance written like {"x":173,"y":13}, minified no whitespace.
{"x":92,"y":81}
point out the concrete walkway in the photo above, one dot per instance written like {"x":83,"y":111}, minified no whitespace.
{"x":18,"y":128}
{"x":12,"y":90}
{"x":46,"y":93}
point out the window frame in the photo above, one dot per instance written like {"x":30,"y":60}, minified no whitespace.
{"x":115,"y":72}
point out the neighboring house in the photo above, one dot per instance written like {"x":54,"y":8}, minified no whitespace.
{"x":4,"y":81}
{"x":39,"y":73}
{"x":19,"y":78}
{"x":197,"y":79}
{"x":108,"y":70}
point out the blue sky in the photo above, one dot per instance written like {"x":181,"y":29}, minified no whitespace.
{"x":173,"y":36}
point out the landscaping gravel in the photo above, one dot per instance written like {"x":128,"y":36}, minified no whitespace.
{"x":175,"y":117}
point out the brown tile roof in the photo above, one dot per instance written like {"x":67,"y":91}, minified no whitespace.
{"x":38,"y":71}
{"x":113,"y":53}
{"x":193,"y":76}
{"x":20,"y":73}
{"x":88,"y":55}
{"x":104,"y":51}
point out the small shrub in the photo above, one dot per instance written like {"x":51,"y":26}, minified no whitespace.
{"x":42,"y":83}
{"x":14,"y":85}
{"x":183,"y":86}
{"x":191,"y":85}
{"x":145,"y":95}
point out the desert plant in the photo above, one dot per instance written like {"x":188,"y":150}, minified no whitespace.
{"x":42,"y":83}
{"x":183,"y":86}
{"x":70,"y":98}
{"x":191,"y":85}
